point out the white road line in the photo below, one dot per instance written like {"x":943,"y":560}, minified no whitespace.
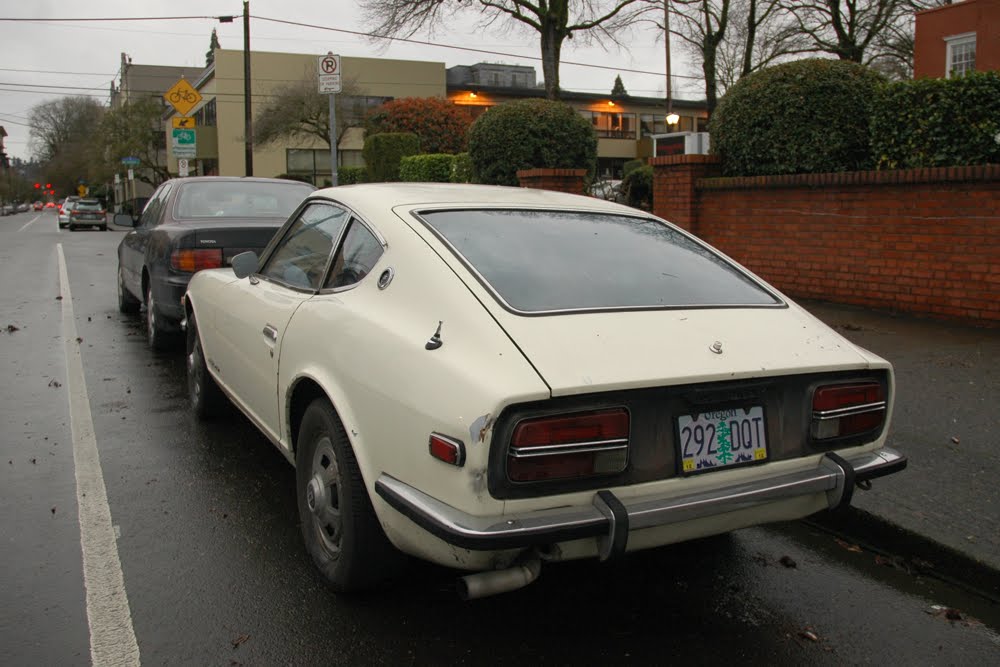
{"x":112,"y":638}
{"x":28,"y":223}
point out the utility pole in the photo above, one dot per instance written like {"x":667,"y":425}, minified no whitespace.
{"x":247,"y":112}
{"x":671,"y":118}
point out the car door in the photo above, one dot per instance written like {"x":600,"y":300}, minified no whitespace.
{"x":257,"y":309}
{"x":133,"y":247}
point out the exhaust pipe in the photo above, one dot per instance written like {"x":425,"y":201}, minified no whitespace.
{"x":484,"y":584}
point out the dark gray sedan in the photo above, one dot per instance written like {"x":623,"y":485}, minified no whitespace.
{"x":190,"y":224}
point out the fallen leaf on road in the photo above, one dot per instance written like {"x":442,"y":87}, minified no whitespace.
{"x":809,"y":634}
{"x":239,"y":640}
{"x":11,"y":328}
{"x":55,"y":383}
{"x":53,"y":510}
{"x":33,"y":461}
{"x":847,"y":545}
{"x":955,"y":439}
{"x":79,"y":340}
{"x":59,"y":298}
{"x":950,"y":613}
{"x":787,"y":562}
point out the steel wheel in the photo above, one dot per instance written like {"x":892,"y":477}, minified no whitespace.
{"x":205,"y":395}
{"x":323,"y":496}
{"x":157,"y":337}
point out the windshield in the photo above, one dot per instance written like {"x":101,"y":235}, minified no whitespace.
{"x":240,"y":199}
{"x":543,"y":261}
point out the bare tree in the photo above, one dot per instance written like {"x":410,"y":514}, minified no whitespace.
{"x":893,"y":49}
{"x":60,"y":137}
{"x":298,"y":110}
{"x":760,"y":34}
{"x":845,"y":28}
{"x":554,"y":20}
{"x":702,"y":26}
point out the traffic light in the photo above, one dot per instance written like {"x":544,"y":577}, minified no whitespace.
{"x":38,"y":185}
{"x":48,"y":186}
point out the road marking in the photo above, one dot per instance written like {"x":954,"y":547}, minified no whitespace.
{"x":112,"y":638}
{"x":28,"y":223}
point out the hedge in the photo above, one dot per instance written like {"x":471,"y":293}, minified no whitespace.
{"x":638,"y":187}
{"x":938,"y":122}
{"x":630,"y":166}
{"x":382,"y":153}
{"x":351,"y":175}
{"x":805,"y":116}
{"x":426,"y":168}
{"x":461,"y":169}
{"x":530,"y":133}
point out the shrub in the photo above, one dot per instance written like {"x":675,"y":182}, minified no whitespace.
{"x":938,"y":122}
{"x":382,"y":153}
{"x":631,"y":166}
{"x":351,"y":175}
{"x":637,"y":187}
{"x":806,"y":116}
{"x":527,"y":134}
{"x":426,"y":168}
{"x":441,"y":125}
{"x":461,"y":169}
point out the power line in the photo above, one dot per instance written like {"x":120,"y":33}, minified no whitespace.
{"x":92,"y":19}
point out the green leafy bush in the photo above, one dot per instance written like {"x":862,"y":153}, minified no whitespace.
{"x":351,"y":175}
{"x":530,"y":133}
{"x":426,"y":168}
{"x":806,"y":116}
{"x":382,"y":153}
{"x":440,"y":124}
{"x":461,"y":169}
{"x":938,"y":122}
{"x":631,"y":166}
{"x":637,"y":187}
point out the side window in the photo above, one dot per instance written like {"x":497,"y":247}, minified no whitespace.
{"x":357,"y":255}
{"x":300,"y":257}
{"x":151,"y":214}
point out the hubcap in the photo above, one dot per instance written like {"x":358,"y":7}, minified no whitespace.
{"x":323,"y":495}
{"x":150,"y":313}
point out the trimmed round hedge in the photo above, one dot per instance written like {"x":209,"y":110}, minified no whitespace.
{"x":803,"y":117}
{"x":527,"y":134}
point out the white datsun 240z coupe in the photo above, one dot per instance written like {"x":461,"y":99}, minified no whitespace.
{"x":489,"y":378}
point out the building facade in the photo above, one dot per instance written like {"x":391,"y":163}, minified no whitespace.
{"x":956,"y":39}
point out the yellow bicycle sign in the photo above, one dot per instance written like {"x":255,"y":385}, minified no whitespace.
{"x":182,"y":96}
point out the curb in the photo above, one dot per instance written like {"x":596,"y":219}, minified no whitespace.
{"x":915,"y":553}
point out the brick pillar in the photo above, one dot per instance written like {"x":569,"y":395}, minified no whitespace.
{"x":674,"y":178}
{"x":561,"y":180}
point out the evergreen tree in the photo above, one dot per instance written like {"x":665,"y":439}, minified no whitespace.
{"x":619,"y":87}
{"x":212,"y":46}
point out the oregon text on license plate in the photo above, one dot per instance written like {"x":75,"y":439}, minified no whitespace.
{"x":721,"y":438}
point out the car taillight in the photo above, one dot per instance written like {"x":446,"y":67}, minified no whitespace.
{"x":847,"y":409}
{"x":196,"y":260}
{"x":447,"y":449}
{"x":569,"y":446}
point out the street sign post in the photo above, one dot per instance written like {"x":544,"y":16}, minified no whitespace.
{"x":130,"y":161}
{"x":184,"y":143}
{"x":182,"y":167}
{"x":182,"y":96}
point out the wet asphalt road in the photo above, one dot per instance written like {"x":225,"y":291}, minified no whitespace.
{"x":216,"y":574}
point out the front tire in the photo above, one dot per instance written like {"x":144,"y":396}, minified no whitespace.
{"x":207,"y":399}
{"x":339,"y":525}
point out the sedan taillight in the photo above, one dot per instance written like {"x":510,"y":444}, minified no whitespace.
{"x":842,"y":410}
{"x":569,"y":446}
{"x":196,"y":260}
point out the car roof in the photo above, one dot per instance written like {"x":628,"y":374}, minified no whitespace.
{"x":237,"y":179}
{"x":370,"y":196}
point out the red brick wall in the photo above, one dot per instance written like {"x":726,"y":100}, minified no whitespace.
{"x":561,"y":180}
{"x":924,"y":241}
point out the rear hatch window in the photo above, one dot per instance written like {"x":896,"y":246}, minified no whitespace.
{"x":536,"y":261}
{"x":88,"y":206}
{"x":235,"y":199}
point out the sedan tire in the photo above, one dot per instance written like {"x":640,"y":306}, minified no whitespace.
{"x":339,"y":526}
{"x":157,"y":337}
{"x":207,"y":400}
{"x":127,"y":303}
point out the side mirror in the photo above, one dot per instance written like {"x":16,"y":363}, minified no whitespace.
{"x":244,"y":264}
{"x":124,"y":220}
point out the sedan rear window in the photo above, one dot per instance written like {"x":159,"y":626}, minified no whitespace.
{"x":85,"y":205}
{"x":543,"y":261}
{"x":235,"y":199}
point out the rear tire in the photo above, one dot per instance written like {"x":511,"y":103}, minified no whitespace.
{"x":127,"y":303}
{"x":339,"y":525}
{"x":157,"y":336}
{"x":207,"y":400}
{"x":103,"y":228}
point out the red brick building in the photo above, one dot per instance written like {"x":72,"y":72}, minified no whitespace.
{"x":956,"y":39}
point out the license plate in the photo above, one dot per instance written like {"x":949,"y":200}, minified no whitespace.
{"x":722,"y":438}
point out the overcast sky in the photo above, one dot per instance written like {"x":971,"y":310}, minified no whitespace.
{"x":41,"y":61}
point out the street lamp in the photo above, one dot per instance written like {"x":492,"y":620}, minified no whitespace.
{"x":672,"y":118}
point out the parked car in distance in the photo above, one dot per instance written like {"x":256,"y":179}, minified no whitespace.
{"x":88,"y":213}
{"x":7,"y":209}
{"x":608,"y":190}
{"x":37,"y":206}
{"x":23,"y":207}
{"x":65,"y":206}
{"x":489,"y":378}
{"x":50,"y":204}
{"x":190,"y":224}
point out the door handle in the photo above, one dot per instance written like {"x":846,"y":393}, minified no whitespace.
{"x":270,"y":333}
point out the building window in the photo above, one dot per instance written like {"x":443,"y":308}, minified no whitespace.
{"x":355,"y":108}
{"x":612,"y":124}
{"x":310,"y":164}
{"x":961,"y":55}
{"x":205,"y":116}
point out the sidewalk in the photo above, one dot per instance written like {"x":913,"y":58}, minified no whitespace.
{"x":946,"y":421}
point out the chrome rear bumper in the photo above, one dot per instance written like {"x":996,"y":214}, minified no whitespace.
{"x":610,"y":518}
